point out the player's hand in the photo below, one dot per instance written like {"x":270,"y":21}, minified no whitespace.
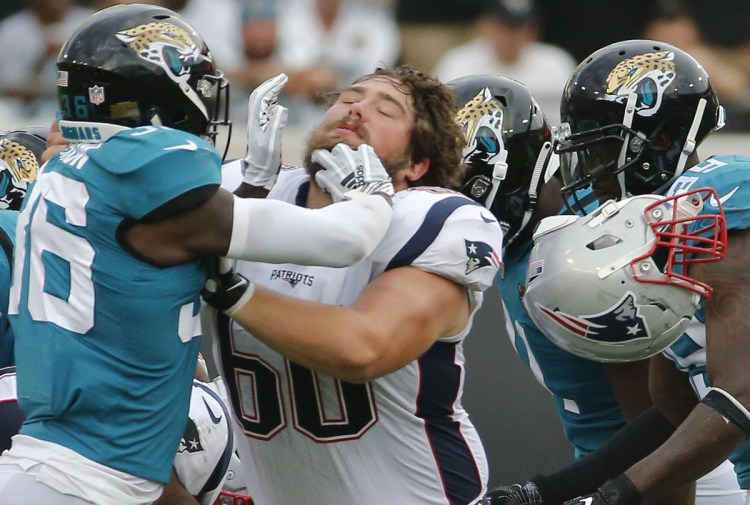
{"x":514,"y":494}
{"x":618,"y":491}
{"x":351,"y":172}
{"x":265,"y":121}
{"x":55,"y":142}
{"x":226,"y":290}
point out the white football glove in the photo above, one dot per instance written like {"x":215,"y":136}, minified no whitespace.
{"x":265,"y":121}
{"x":351,"y":172}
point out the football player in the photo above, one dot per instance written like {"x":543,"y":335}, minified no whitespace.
{"x":637,"y":111}
{"x":346,"y":384}
{"x":108,"y":263}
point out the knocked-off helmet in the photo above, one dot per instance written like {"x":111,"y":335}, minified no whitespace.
{"x":614,"y":285}
{"x":508,"y":150}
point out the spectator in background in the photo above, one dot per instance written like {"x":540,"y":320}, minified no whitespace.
{"x":219,"y":22}
{"x":583,"y":26}
{"x":675,"y":23}
{"x":429,"y":28}
{"x":259,"y":37}
{"x":31,"y":39}
{"x":507,"y":44}
{"x":325,"y":44}
{"x":260,"y":62}
{"x":724,"y":24}
{"x":8,"y":7}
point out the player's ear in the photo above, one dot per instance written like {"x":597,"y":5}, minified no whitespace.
{"x":416,"y":170}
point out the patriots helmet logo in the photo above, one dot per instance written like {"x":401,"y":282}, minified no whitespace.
{"x":191,"y":440}
{"x":480,"y":254}
{"x":617,"y":324}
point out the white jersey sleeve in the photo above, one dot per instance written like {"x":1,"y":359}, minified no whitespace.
{"x":445,"y":233}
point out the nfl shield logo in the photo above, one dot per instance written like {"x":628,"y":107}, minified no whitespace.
{"x":96,"y":95}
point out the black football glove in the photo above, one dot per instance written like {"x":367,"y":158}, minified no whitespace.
{"x":225,"y":289}
{"x":618,"y":491}
{"x":514,"y":494}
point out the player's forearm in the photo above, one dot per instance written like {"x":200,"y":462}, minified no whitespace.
{"x":698,"y":446}
{"x":331,"y":339}
{"x":337,"y":235}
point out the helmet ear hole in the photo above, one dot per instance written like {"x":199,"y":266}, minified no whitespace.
{"x":603,"y":242}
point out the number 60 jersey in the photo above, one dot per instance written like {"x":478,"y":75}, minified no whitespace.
{"x":306,"y":437}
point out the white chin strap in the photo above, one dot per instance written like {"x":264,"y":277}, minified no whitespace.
{"x":689,"y":147}
{"x":627,"y":121}
{"x":499,"y":172}
{"x":543,"y":160}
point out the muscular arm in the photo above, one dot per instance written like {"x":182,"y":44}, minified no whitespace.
{"x":705,"y":438}
{"x":396,"y":319}
{"x":272,"y":231}
{"x":670,"y":389}
{"x":630,"y":384}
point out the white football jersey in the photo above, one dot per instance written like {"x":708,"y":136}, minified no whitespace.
{"x":305,"y":437}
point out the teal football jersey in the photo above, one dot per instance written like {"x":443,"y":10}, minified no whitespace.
{"x":106,"y":342}
{"x":8,"y":220}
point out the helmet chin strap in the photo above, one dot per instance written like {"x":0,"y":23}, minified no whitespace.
{"x":499,"y":172}
{"x":543,"y":160}
{"x":689,"y":147}
{"x":627,"y":121}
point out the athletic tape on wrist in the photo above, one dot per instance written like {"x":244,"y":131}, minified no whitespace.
{"x":729,"y":407}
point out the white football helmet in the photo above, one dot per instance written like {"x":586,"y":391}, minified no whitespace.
{"x":613,"y":286}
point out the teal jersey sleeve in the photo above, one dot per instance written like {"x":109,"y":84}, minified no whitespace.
{"x":8,"y":219}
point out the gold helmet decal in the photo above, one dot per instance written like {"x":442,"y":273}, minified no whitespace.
{"x":18,"y":169}
{"x":20,"y":160}
{"x":174,"y":50}
{"x":166,"y":45}
{"x":647,"y":75}
{"x":481,"y":120}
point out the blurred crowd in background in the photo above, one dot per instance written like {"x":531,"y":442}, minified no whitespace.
{"x":323,"y":44}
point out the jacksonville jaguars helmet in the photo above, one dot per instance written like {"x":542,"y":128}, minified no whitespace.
{"x":20,"y":158}
{"x":136,"y":65}
{"x":636,"y":110}
{"x":508,"y":150}
{"x":614,"y":285}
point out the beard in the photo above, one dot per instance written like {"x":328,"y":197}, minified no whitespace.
{"x":323,"y":137}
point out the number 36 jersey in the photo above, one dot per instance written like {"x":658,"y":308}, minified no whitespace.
{"x":402,"y":438}
{"x":105,"y":341}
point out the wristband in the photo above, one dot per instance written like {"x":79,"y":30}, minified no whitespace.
{"x":729,"y":408}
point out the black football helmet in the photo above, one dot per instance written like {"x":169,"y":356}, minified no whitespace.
{"x":508,"y":151}
{"x":136,"y":65}
{"x":636,"y":110}
{"x":20,"y":158}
